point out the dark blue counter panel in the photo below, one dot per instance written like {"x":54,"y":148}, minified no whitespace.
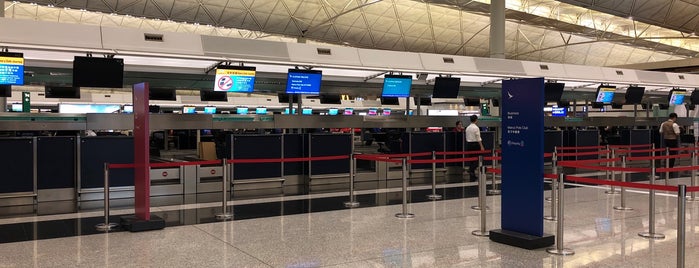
{"x":295,"y":146}
{"x":421,"y":142}
{"x":330,"y":145}
{"x":552,"y":139}
{"x":454,"y":142}
{"x":56,"y":162}
{"x":17,"y":165}
{"x":256,"y":147}
{"x":95,"y":151}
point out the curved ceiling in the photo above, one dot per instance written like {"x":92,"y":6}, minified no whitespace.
{"x":538,"y":30}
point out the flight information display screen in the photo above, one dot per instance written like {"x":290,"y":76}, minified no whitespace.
{"x":235,"y":79}
{"x":11,"y":68}
{"x":396,"y":86}
{"x":303,"y":82}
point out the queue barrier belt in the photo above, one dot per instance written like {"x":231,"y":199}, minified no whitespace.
{"x":622,"y":184}
{"x":584,"y":153}
{"x":548,"y":155}
{"x":451,"y":160}
{"x":462,"y":153}
{"x":659,"y":157}
{"x":287,"y":160}
{"x":494,"y":170}
{"x":165,"y":165}
{"x":675,"y":169}
{"x":639,"y":151}
{"x":573,"y":148}
{"x":631,"y":146}
{"x":590,"y":161}
{"x":490,"y":158}
{"x":551,"y":176}
{"x":685,"y":149}
{"x":572,"y":164}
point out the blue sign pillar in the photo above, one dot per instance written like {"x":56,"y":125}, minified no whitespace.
{"x":522,"y":165}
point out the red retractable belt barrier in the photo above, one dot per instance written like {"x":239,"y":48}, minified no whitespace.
{"x":590,"y":161}
{"x":674,"y":169}
{"x":379,"y":157}
{"x":622,"y":184}
{"x":462,"y":153}
{"x":548,"y":154}
{"x":693,"y":189}
{"x":640,"y":151}
{"x":641,"y":158}
{"x":551,"y":176}
{"x":118,"y":166}
{"x":685,"y":149}
{"x":450,"y":160}
{"x":489,"y":158}
{"x":286,"y":160}
{"x":584,"y":153}
{"x":573,"y":148}
{"x":631,"y":146}
{"x":494,"y":170}
{"x":179,"y":164}
{"x":603,"y":168}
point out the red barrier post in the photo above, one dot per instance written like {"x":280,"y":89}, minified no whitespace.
{"x":106,"y":226}
{"x":693,"y":177}
{"x":352,"y":203}
{"x":481,"y":203}
{"x":560,"y":249}
{"x":623,"y":206}
{"x":480,"y":164}
{"x":554,"y":184}
{"x":434,"y":195}
{"x":667,"y":165}
{"x":225,"y":184}
{"x":405,"y":214}
{"x":651,"y":234}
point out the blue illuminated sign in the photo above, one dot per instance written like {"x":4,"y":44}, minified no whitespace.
{"x":397,"y":86}
{"x":303,"y":82}
{"x":11,"y":68}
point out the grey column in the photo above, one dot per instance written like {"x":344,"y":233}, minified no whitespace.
{"x":497,"y":29}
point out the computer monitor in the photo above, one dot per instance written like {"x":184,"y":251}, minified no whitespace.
{"x":303,"y":81}
{"x":188,"y":110}
{"x":348,"y":111}
{"x":16,"y":107}
{"x":241,"y":110}
{"x":676,"y":96}
{"x":396,"y":86}
{"x":333,"y":111}
{"x":307,"y":111}
{"x":206,"y":95}
{"x":605,"y":94}
{"x":235,"y":79}
{"x":261,"y":110}
{"x":286,"y":111}
{"x":128,"y":109}
{"x":446,"y":87}
{"x":210,"y":109}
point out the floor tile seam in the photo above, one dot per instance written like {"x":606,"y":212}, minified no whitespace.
{"x":196,"y":226}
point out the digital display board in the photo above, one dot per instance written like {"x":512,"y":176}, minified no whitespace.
{"x":261,"y":110}
{"x":559,"y":111}
{"x":241,"y":110}
{"x":605,"y":94}
{"x":88,"y":108}
{"x":307,"y":111}
{"x":348,"y":111}
{"x":128,"y":109}
{"x":209,"y":110}
{"x":396,"y":86}
{"x":677,"y":96}
{"x":17,"y":107}
{"x":386,"y":111}
{"x":188,"y":109}
{"x":303,"y":82}
{"x":286,"y":111}
{"x":332,"y":111}
{"x":372,"y":111}
{"x":11,"y":68}
{"x":235,"y":79}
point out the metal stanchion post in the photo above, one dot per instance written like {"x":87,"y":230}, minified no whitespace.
{"x":106,"y":226}
{"x":481,"y":203}
{"x":559,"y":249}
{"x":554,"y":189}
{"x":651,"y":234}
{"x":612,"y":189}
{"x":493,"y":186}
{"x":480,"y":164}
{"x":352,"y":203}
{"x":667,"y":165}
{"x":434,"y":195}
{"x":224,"y":215}
{"x":405,"y":214}
{"x":681,"y":214}
{"x":554,"y":168}
{"x":623,"y":189}
{"x":693,"y":177}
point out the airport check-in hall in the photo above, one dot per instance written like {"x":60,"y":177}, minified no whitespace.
{"x":372,"y":133}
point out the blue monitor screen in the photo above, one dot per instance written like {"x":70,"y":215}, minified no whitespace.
{"x":188,"y":110}
{"x":396,"y":86}
{"x":286,"y":111}
{"x":677,"y":96}
{"x":88,"y":108}
{"x":128,"y":109}
{"x":556,"y":111}
{"x":235,"y":79}
{"x":605,"y":94}
{"x":303,"y":82}
{"x":17,"y":107}
{"x":307,"y":111}
{"x":11,"y":68}
{"x":332,"y":111}
{"x":241,"y":110}
{"x":209,"y":110}
{"x":261,"y":110}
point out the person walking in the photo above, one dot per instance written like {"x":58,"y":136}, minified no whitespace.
{"x":670,"y":132}
{"x":473,"y":143}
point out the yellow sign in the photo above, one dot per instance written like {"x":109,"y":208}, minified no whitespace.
{"x":11,"y":60}
{"x":235,"y":72}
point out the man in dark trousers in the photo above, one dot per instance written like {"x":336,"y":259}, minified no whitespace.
{"x":473,"y":143}
{"x":671,"y":133}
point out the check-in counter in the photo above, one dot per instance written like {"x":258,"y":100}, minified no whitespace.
{"x":208,"y":179}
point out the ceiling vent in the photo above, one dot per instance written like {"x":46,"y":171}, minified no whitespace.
{"x":543,"y":67}
{"x":448,"y":60}
{"x":618,"y":72}
{"x":324,"y":51}
{"x":153,"y":37}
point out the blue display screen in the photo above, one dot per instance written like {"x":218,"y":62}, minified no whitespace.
{"x":397,"y":86}
{"x":386,"y":111}
{"x":88,"y":108}
{"x":677,"y":97}
{"x":241,"y":110}
{"x":605,"y":94}
{"x":188,"y":110}
{"x":128,"y":109}
{"x":303,"y":82}
{"x":209,"y":110}
{"x":11,"y":68}
{"x":235,"y":79}
{"x":286,"y":111}
{"x":261,"y":110}
{"x":332,"y":111}
{"x":556,"y":111}
{"x":307,"y":111}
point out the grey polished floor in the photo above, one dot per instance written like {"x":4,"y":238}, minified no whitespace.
{"x":439,"y":236}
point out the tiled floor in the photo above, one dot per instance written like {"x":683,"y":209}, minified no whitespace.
{"x":439,"y":236}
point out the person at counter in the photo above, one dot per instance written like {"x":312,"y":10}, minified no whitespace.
{"x":671,"y":133}
{"x":459,"y":127}
{"x":473,"y":143}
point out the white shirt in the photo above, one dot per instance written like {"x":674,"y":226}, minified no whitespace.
{"x":473,"y":133}
{"x":675,"y":128}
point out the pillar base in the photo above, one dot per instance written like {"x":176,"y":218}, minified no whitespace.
{"x":133,"y":224}
{"x":521,"y":240}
